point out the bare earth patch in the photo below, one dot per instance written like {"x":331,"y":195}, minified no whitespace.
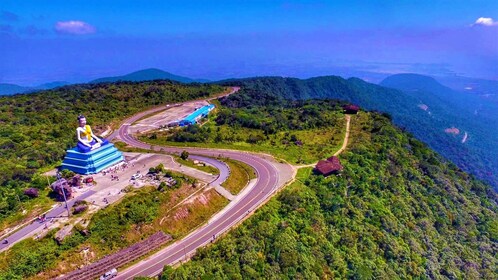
{"x":423,"y":107}
{"x":452,"y":130}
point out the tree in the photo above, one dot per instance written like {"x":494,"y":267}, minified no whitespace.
{"x":184,"y":155}
{"x":66,"y":173}
{"x":160,"y":168}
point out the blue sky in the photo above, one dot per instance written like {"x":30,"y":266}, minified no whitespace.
{"x":76,"y":41}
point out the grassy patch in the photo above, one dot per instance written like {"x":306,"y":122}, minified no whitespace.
{"x":240,"y":174}
{"x":122,"y":146}
{"x":318,"y":144}
{"x":199,"y":211}
{"x":303,"y":173}
{"x":298,"y":146}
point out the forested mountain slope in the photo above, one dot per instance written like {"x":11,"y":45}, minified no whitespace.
{"x":433,"y":123}
{"x":397,"y":211}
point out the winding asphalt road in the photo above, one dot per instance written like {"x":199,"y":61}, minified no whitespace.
{"x":271,"y":175}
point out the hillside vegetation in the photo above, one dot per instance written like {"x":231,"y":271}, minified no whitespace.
{"x":397,"y":211}
{"x":301,"y":131}
{"x":36,"y":129}
{"x":447,"y":109}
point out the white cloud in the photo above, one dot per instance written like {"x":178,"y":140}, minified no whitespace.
{"x":74,"y":27}
{"x":485,"y":21}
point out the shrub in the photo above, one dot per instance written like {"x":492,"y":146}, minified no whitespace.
{"x":31,"y":192}
{"x":184,"y":155}
{"x":80,"y":209}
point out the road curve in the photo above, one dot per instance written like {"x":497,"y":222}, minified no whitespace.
{"x":270,"y":177}
{"x":114,"y":134}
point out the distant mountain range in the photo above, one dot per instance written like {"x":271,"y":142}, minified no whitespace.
{"x":142,"y":75}
{"x":486,"y":89}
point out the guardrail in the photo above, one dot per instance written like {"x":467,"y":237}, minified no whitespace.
{"x":118,"y":259}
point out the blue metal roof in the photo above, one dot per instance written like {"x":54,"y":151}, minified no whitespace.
{"x":199,"y":113}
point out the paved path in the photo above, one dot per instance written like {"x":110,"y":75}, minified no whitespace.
{"x":224,"y":192}
{"x":224,"y":173}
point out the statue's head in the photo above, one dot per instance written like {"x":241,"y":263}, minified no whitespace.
{"x":81,"y":120}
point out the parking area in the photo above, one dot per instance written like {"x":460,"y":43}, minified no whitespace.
{"x":163,"y":118}
{"x":110,"y":184}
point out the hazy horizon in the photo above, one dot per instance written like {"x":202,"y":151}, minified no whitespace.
{"x":79,"y":41}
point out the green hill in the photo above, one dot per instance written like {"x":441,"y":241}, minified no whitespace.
{"x":475,"y":155}
{"x":146,"y":75}
{"x":398,"y":211}
{"x":11,"y":89}
{"x":415,"y":82}
{"x":430,"y":91}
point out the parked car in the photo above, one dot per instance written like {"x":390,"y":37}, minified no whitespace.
{"x":136,"y":176}
{"x":109,"y":274}
{"x":88,"y":180}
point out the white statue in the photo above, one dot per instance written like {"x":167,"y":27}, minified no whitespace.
{"x":87,"y":141}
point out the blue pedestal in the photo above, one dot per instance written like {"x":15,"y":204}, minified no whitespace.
{"x":93,"y":161}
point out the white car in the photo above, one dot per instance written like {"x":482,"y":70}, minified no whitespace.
{"x":136,"y":176}
{"x":109,"y":274}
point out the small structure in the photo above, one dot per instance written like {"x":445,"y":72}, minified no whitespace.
{"x":351,"y":109}
{"x":330,"y":166}
{"x":63,"y":233}
{"x":173,"y":124}
{"x":197,"y":115}
{"x":61,"y":188}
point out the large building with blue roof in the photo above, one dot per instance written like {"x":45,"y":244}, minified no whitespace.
{"x":196,"y":115}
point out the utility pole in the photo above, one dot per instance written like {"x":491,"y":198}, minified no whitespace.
{"x":63,"y":193}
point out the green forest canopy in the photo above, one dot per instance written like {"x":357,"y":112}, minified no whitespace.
{"x":475,"y":156}
{"x":397,"y":211}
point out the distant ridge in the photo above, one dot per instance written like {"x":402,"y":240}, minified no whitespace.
{"x":11,"y":89}
{"x":137,"y":76}
{"x":415,"y":82}
{"x":148,"y":75}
